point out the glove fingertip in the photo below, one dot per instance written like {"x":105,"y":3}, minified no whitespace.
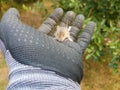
{"x":90,"y":27}
{"x":80,"y":17}
{"x":14,"y":11}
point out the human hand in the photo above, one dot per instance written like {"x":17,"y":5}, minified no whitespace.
{"x":35,"y":48}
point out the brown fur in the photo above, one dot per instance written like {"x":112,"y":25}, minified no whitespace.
{"x":62,"y":33}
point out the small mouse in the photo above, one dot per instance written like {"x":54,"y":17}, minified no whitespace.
{"x":62,"y":33}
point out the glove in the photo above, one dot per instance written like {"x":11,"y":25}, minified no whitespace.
{"x":35,"y":48}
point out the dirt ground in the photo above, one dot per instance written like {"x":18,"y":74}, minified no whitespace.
{"x":97,"y":75}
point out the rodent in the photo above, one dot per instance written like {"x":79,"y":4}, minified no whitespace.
{"x":62,"y":33}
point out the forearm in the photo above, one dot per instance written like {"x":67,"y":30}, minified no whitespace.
{"x":30,"y":78}
{"x":23,"y":77}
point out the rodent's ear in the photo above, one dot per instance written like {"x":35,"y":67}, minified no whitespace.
{"x":58,"y":27}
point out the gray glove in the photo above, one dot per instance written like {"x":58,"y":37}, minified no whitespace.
{"x":35,"y":48}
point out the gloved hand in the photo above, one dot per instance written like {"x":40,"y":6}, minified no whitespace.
{"x":35,"y":48}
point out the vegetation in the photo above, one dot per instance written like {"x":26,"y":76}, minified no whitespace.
{"x":105,"y":41}
{"x":106,"y":14}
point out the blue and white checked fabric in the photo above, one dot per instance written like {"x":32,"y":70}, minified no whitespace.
{"x":24,"y":77}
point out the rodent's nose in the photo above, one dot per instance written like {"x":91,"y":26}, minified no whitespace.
{"x":60,"y":40}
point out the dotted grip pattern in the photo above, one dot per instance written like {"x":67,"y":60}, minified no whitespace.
{"x":32,"y":47}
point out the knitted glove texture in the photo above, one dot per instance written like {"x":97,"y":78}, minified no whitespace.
{"x":35,"y":48}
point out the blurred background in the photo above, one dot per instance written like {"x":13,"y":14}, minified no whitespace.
{"x":102,"y":57}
